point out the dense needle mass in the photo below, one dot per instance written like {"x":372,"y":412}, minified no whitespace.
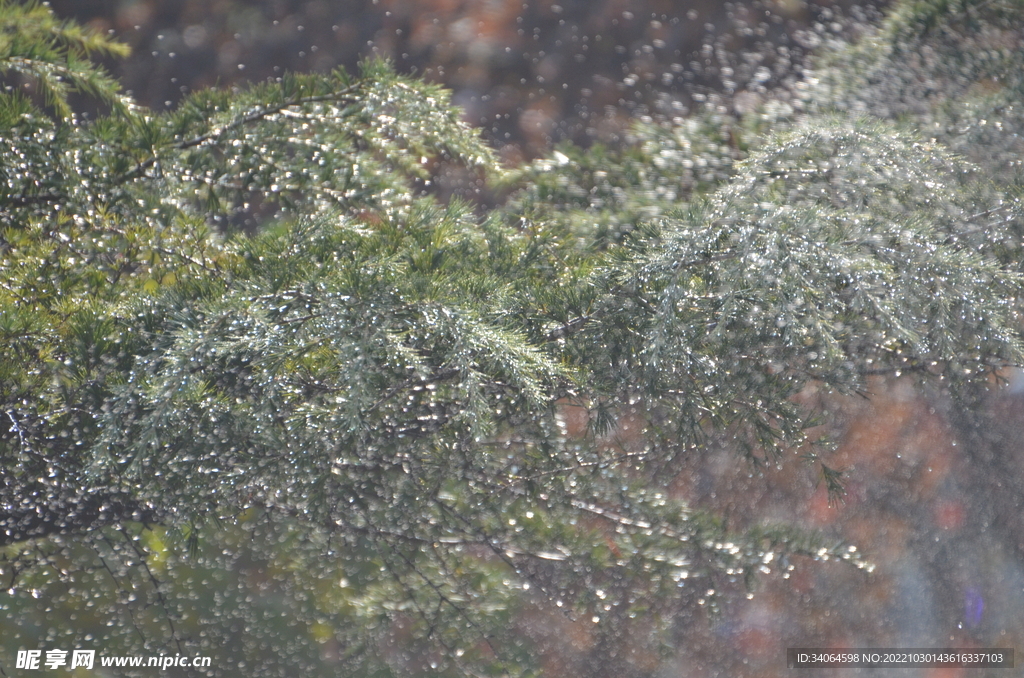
{"x":246,"y":321}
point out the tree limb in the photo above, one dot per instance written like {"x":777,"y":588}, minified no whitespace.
{"x":70,"y":514}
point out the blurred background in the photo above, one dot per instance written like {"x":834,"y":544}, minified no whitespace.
{"x":526,"y":72}
{"x":933,"y":493}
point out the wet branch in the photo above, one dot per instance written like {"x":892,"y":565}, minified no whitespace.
{"x":72,"y":514}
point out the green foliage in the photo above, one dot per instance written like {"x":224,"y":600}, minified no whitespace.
{"x":954,"y":67}
{"x":53,"y":56}
{"x":604,"y":193}
{"x":241,"y":341}
{"x":838,"y":251}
